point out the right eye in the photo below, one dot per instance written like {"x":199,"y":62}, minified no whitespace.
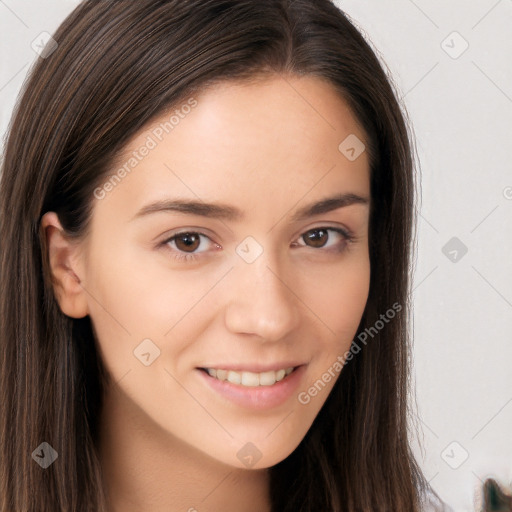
{"x":185,"y":244}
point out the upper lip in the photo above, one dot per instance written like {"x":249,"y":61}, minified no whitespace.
{"x":254,"y":368}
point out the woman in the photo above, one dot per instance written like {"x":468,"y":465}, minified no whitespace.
{"x":206,"y":215}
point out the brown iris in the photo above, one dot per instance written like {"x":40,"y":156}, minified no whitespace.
{"x":316,"y":237}
{"x":187,"y":242}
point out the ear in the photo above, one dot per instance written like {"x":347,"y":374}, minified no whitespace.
{"x":64,"y":265}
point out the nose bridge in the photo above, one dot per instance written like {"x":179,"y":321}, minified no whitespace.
{"x":261,"y":302}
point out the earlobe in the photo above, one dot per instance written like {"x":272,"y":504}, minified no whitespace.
{"x":62,"y":262}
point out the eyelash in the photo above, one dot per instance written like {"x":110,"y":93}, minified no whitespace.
{"x":178,"y":255}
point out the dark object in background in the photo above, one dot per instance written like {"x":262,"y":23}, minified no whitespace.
{"x":494,"y":499}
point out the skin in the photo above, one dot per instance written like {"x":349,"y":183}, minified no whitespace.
{"x":168,"y":441}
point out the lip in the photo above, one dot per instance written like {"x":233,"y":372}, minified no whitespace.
{"x":258,"y":397}
{"x":254,"y":368}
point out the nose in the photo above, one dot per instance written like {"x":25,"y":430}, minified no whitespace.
{"x":261,"y":302}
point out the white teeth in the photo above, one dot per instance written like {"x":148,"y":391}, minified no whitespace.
{"x":234,"y":377}
{"x":250,"y":379}
{"x":267,"y":378}
{"x":222,"y":374}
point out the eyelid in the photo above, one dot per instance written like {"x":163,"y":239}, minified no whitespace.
{"x":201,"y":234}
{"x":348,"y":233}
{"x":183,"y":256}
{"x":343,"y":229}
{"x":347,"y":236}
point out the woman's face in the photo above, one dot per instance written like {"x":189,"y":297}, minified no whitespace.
{"x":222,"y":246}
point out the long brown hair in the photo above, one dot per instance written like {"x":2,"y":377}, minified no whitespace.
{"x":117,"y":66}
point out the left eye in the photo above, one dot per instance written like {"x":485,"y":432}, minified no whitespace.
{"x":323,"y":237}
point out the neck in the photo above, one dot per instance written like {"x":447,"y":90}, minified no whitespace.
{"x":147,"y":468}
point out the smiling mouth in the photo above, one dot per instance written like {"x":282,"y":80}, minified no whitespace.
{"x":249,"y":379}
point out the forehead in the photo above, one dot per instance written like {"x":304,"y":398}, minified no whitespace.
{"x":235,"y":140}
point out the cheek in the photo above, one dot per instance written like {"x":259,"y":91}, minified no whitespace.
{"x":138,"y":293}
{"x":132,"y":299}
{"x":339,"y":298}
{"x":340,"y":304}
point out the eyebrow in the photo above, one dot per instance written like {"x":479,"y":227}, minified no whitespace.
{"x":225,"y":212}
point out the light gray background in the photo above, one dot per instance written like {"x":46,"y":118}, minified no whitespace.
{"x":461,"y":110}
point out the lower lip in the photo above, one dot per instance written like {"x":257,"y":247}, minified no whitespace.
{"x":257,"y":397}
